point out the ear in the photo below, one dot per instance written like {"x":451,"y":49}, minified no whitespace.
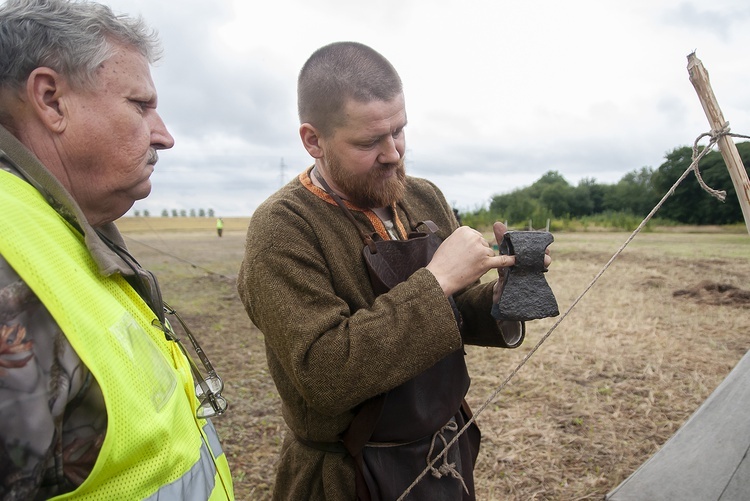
{"x":311,"y":140}
{"x":45,"y":89}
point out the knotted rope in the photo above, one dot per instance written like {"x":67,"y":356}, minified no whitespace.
{"x":714,"y":136}
{"x":446,"y":468}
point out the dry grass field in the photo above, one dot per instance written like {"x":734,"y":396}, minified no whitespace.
{"x":630,"y":363}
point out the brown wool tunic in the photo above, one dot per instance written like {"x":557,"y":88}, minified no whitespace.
{"x":330,"y":343}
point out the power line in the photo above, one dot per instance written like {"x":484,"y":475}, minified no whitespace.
{"x":282,"y":173}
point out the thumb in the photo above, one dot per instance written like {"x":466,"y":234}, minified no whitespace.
{"x":499,"y":229}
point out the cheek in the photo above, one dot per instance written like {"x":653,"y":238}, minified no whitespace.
{"x":122,"y":141}
{"x":127,"y":160}
{"x":359,"y":162}
{"x":134,"y":142}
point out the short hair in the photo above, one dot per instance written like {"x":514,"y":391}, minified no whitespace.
{"x":338,"y":72}
{"x":72,"y":37}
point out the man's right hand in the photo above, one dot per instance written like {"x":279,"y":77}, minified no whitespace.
{"x":463,"y":258}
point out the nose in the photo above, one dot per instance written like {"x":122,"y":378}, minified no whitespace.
{"x":161,"y":139}
{"x":391,"y":150}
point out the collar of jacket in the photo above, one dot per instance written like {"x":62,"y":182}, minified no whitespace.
{"x":306,"y":180}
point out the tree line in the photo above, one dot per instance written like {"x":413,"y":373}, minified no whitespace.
{"x":629,"y":200}
{"x":178,"y":213}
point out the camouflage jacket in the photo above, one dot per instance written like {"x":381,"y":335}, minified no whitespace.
{"x":52,"y":409}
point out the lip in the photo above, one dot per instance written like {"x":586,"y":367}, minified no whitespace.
{"x":387,"y":171}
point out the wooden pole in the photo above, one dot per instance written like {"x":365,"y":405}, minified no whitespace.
{"x":699,"y":79}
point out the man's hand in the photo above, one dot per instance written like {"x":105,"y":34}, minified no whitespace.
{"x":463,"y":258}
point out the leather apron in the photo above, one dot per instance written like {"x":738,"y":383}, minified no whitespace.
{"x":394,"y":436}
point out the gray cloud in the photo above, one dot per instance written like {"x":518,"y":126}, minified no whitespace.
{"x":491,"y":108}
{"x":719,"y":20}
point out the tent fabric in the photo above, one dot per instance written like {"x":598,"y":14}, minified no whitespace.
{"x":706,"y":459}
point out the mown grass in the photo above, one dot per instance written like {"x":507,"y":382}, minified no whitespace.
{"x":612,"y":383}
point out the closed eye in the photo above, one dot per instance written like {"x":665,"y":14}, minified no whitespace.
{"x":142,"y":105}
{"x":369,"y":144}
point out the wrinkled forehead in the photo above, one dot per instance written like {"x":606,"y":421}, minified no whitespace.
{"x":126,"y":67}
{"x":373,"y":114}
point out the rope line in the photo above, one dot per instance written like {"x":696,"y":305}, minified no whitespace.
{"x":696,"y":158}
{"x":211,"y":272}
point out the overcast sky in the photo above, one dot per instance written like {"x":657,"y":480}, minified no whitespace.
{"x":497,"y":92}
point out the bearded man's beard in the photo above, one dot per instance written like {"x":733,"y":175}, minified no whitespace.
{"x":381,"y":186}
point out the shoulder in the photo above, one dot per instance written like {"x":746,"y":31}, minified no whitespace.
{"x":291,"y":203}
{"x":288,"y":218}
{"x":423,"y":192}
{"x":423,"y":200}
{"x":420,"y":185}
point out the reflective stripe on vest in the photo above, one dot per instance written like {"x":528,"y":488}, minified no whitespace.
{"x":196,"y":483}
{"x":154,"y":447}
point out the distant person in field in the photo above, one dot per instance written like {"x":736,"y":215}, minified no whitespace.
{"x":219,"y":226}
{"x":97,"y":400}
{"x":369,"y":362}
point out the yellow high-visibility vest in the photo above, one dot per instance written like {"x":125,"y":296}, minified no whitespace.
{"x":155,"y":447}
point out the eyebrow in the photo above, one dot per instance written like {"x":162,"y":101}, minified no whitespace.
{"x":381,"y":136}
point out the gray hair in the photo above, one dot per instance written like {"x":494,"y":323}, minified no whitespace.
{"x":72,"y":37}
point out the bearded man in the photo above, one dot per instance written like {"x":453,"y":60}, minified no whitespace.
{"x":366,"y":290}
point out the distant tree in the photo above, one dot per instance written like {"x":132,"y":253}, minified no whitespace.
{"x":174,"y":212}
{"x":137,"y":213}
{"x":634,"y":193}
{"x":550,"y":196}
{"x":518,"y":207}
{"x":201,"y":213}
{"x":192,"y":212}
{"x":597,"y":193}
{"x":210,"y":213}
{"x":559,"y":199}
{"x":480,"y":218}
{"x":513,"y":206}
{"x":164,"y":213}
{"x":589,"y":198}
{"x":549,"y":179}
{"x":183,"y":213}
{"x":690,"y":204}
{"x":146,"y":213}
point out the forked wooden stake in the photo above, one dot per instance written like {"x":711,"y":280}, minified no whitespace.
{"x":699,"y":79}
